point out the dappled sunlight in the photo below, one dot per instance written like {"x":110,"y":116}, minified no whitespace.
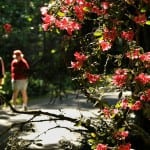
{"x":49,"y":132}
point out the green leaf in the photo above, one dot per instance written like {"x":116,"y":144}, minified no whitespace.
{"x":93,"y":134}
{"x":93,"y":147}
{"x":143,"y":10}
{"x":91,"y":141}
{"x":86,"y":9}
{"x":60,"y":14}
{"x":148,"y":22}
{"x":122,"y":129}
{"x":57,"y":31}
{"x":98,"y":33}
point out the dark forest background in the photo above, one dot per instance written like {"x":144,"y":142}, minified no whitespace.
{"x":48,"y":54}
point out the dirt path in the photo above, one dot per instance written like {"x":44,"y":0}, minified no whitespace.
{"x":45,"y":131}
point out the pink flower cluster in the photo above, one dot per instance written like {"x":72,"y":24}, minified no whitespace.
{"x":101,"y":147}
{"x":80,"y":58}
{"x":125,"y":147}
{"x":145,"y":96}
{"x":143,"y":78}
{"x":109,"y":35}
{"x":105,"y":45}
{"x":127,"y":35}
{"x":140,"y":19}
{"x":134,"y":54}
{"x":121,"y":135}
{"x":79,"y":7}
{"x":120,"y":77}
{"x":92,"y":78}
{"x":109,"y":112}
{"x":145,"y":58}
{"x":135,"y":106}
{"x":64,"y":23}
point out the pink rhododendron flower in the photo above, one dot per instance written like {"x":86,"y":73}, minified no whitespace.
{"x":76,"y":65}
{"x":145,"y":96}
{"x":101,"y":147}
{"x":109,"y":34}
{"x":105,"y":5}
{"x":124,"y":146}
{"x":105,"y":45}
{"x":44,"y":10}
{"x":92,"y":78}
{"x":109,"y":112}
{"x":7,"y":27}
{"x":64,"y":9}
{"x":143,"y":78}
{"x":124,"y":103}
{"x":63,"y":23}
{"x":145,"y":58}
{"x":140,"y":19}
{"x":45,"y":27}
{"x":136,"y":106}
{"x":68,"y":2}
{"x":97,"y":10}
{"x":82,"y":8}
{"x":80,"y":56}
{"x":79,"y":11}
{"x":115,"y":111}
{"x":135,"y":54}
{"x":67,"y":24}
{"x":120,"y":77}
{"x":80,"y":2}
{"x":121,"y":135}
{"x":127,"y":35}
{"x":48,"y":20}
{"x":106,"y":112}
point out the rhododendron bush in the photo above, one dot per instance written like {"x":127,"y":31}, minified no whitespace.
{"x":106,"y":33}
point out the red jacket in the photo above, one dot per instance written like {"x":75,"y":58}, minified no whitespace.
{"x":19,"y":69}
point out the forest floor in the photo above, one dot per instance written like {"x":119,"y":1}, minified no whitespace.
{"x":45,"y":135}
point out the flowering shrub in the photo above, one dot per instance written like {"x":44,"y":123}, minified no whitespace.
{"x":7,"y":27}
{"x":112,"y":38}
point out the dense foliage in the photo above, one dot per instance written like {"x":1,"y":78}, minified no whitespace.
{"x":20,"y":28}
{"x":109,"y":38}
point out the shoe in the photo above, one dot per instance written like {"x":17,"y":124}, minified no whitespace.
{"x":14,"y":106}
{"x":25,"y":108}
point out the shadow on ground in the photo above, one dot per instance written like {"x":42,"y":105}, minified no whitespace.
{"x":71,"y":101}
{"x":71,"y":105}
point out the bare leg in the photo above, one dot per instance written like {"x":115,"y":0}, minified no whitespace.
{"x":14,"y":96}
{"x":24,"y":97}
{"x":1,"y":80}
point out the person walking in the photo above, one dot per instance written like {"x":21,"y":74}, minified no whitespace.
{"x":2,"y":70}
{"x":19,"y":77}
